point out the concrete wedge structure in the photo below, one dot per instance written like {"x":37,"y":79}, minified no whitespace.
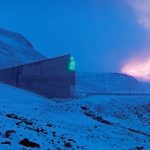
{"x":52,"y":78}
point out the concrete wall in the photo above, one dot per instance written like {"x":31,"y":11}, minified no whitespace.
{"x":50,"y":77}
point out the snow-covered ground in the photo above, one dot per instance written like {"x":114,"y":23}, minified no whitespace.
{"x":92,"y":123}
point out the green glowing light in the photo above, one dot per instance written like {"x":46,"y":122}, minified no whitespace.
{"x":72,"y":64}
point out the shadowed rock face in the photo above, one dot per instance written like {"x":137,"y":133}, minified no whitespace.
{"x":16,"y":50}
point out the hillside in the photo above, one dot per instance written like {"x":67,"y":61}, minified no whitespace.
{"x":16,"y":50}
{"x":98,"y":122}
{"x":109,"y":83}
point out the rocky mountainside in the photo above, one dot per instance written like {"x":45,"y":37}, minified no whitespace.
{"x":16,"y":50}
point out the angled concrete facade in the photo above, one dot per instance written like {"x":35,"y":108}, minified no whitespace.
{"x":52,"y":78}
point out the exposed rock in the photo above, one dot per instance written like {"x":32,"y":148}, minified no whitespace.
{"x":8,"y":133}
{"x":68,"y":144}
{"x":139,"y":148}
{"x":84,"y":108}
{"x":6,"y":142}
{"x":27,"y":143}
{"x":13,"y":116}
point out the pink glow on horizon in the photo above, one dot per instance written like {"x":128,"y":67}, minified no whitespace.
{"x":139,"y":69}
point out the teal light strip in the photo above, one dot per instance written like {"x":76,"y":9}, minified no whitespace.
{"x":72,"y":64}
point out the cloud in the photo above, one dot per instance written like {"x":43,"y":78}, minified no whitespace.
{"x":139,"y":68}
{"x":142,"y":9}
{"x":139,"y":64}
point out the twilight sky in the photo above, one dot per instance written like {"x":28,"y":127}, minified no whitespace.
{"x":103,"y":35}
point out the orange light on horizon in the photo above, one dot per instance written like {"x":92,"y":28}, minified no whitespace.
{"x":139,"y":69}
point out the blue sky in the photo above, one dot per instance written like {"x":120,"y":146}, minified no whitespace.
{"x":101,"y":34}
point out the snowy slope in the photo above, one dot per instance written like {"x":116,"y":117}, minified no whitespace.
{"x":16,"y":50}
{"x":109,"y":83}
{"x":93,"y":123}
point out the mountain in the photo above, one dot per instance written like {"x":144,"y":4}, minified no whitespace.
{"x":30,"y":121}
{"x":109,"y":83}
{"x":105,"y":82}
{"x":16,"y":50}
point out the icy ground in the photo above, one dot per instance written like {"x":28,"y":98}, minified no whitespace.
{"x":29,"y":121}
